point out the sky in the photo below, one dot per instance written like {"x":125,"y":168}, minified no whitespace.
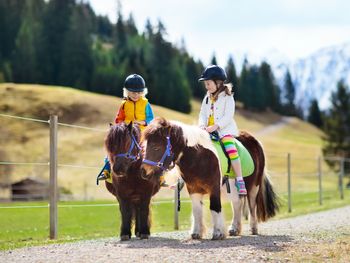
{"x":288,"y":29}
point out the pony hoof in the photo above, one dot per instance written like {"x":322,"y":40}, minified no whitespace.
{"x":144,"y":236}
{"x":124,"y":238}
{"x":137,"y":234}
{"x":254,"y":231}
{"x":196,"y":236}
{"x":233,"y":232}
{"x":219,"y":236}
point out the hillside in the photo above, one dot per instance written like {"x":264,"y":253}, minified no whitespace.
{"x":25,"y":141}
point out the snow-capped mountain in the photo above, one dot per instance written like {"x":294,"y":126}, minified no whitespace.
{"x":315,"y":76}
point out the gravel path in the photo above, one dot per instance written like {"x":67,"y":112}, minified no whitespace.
{"x":276,"y":126}
{"x":275,"y":236}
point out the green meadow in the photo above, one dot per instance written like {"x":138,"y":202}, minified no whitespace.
{"x":26,"y":141}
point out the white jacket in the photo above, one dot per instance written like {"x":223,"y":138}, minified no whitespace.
{"x":224,"y":110}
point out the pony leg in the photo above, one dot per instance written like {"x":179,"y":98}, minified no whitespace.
{"x":219,"y":231}
{"x":144,"y":213}
{"x":198,"y":228}
{"x":126,"y":212}
{"x":235,"y":228}
{"x":253,"y":192}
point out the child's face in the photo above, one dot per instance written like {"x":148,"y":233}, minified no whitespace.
{"x":134,"y":96}
{"x":210,"y":86}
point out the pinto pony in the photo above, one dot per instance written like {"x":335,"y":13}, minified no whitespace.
{"x":131,"y":190}
{"x":192,"y":151}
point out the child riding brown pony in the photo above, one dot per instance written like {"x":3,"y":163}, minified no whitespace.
{"x":132,"y":191}
{"x":191,"y":149}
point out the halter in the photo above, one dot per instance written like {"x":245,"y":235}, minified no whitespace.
{"x":128,"y":154}
{"x":166,"y":160}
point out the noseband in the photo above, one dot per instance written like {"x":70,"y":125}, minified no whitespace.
{"x":167,"y":160}
{"x":128,"y":154}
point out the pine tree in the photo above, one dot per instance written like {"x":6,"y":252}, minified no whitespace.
{"x":193,"y":71}
{"x":337,"y":122}
{"x":120,"y":34}
{"x":270,"y":91}
{"x":337,"y":125}
{"x":148,"y":29}
{"x":10,"y":23}
{"x":289,"y":107}
{"x":315,"y":116}
{"x":77,"y":62}
{"x":255,"y":94}
{"x":54,"y":28}
{"x":213,"y":60}
{"x":104,"y":28}
{"x":130,"y":26}
{"x":25,"y":55}
{"x":240,"y":93}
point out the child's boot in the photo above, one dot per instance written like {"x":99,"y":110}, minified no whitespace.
{"x":236,"y":165}
{"x":241,"y":187}
{"x":105,"y":173}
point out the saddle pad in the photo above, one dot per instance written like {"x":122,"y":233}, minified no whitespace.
{"x":246,"y":160}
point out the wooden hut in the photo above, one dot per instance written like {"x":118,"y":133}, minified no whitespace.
{"x":30,"y":189}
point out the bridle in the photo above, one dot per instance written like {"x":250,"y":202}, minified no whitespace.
{"x":167,"y":160}
{"x":128,"y":154}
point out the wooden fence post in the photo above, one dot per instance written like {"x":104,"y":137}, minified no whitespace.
{"x":53,"y":176}
{"x":319,"y":168}
{"x":341,"y":176}
{"x":289,"y":184}
{"x":176,"y":208}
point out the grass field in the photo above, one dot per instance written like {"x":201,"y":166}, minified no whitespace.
{"x":82,"y":220}
{"x":26,"y":141}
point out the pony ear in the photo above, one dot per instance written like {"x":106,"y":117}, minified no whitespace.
{"x":130,"y":126}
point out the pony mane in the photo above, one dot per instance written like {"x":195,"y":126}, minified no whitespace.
{"x":159,"y":126}
{"x":193,"y":136}
{"x":115,"y":137}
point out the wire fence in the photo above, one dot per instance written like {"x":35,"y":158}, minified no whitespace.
{"x":308,"y":173}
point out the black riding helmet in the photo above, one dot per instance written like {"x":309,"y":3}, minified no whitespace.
{"x":213,"y":72}
{"x":135,"y":83}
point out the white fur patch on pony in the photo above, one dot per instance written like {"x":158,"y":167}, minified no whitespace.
{"x":196,"y":136}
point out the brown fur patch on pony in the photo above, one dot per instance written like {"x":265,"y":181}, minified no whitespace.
{"x":266,"y":200}
{"x":199,"y":166}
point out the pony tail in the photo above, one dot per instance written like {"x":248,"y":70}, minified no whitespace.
{"x":267,"y":200}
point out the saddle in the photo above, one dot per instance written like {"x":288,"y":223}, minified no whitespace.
{"x":247,"y":162}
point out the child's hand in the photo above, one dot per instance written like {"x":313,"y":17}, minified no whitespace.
{"x":212,"y":128}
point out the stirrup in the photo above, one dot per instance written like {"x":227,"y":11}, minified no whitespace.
{"x":100,"y":177}
{"x":105,"y":175}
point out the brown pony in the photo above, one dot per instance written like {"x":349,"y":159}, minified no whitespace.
{"x":192,"y":151}
{"x":132,"y":191}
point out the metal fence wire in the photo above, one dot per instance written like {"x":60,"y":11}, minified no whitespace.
{"x":320,"y":176}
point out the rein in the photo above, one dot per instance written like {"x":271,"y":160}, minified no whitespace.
{"x":128,"y":154}
{"x":167,"y":159}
